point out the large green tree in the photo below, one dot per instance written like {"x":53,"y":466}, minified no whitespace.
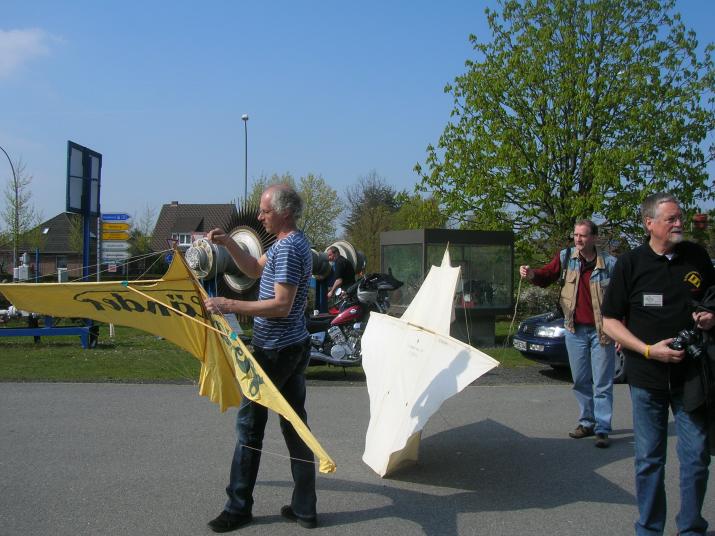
{"x":322,"y":210}
{"x":371,"y":205}
{"x":416,"y":212}
{"x":573,"y":109}
{"x":322,"y":205}
{"x":368,"y":192}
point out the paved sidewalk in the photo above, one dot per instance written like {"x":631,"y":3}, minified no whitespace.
{"x":122,"y":459}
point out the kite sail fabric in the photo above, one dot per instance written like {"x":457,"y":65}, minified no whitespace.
{"x":412,"y":366}
{"x":171,"y":307}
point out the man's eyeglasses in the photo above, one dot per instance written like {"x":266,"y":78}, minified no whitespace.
{"x":264,"y":212}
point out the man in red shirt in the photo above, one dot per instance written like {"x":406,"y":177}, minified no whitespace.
{"x":586,"y":272}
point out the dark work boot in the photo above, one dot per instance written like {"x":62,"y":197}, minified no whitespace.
{"x":226,"y":521}
{"x":305,"y":522}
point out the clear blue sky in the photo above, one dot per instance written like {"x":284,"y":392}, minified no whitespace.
{"x":331,"y":88}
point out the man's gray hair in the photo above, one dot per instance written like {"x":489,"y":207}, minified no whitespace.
{"x":649,"y":206}
{"x":284,"y":199}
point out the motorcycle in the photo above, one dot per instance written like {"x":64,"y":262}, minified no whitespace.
{"x":335,"y":336}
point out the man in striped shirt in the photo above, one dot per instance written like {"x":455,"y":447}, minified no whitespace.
{"x":282,"y":348}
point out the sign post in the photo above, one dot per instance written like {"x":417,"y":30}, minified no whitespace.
{"x":84,"y":176}
{"x":116,"y":227}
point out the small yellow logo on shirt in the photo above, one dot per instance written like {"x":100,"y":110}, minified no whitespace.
{"x":693,"y":278}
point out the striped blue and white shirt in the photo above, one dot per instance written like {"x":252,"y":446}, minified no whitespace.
{"x":289,"y":261}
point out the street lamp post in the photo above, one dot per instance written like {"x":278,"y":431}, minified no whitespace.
{"x":245,"y":157}
{"x":16,"y":218}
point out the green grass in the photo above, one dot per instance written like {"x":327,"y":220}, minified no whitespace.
{"x":131,"y":355}
{"x":136,"y":356}
{"x":508,"y":357}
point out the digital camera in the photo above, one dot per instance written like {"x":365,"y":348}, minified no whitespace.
{"x":690,"y":341}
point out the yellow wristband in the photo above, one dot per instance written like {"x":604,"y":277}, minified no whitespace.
{"x":647,"y":351}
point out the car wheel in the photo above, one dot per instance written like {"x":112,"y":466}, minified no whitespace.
{"x":619,"y":372}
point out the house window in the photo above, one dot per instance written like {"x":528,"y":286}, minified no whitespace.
{"x":61,"y":261}
{"x":184,"y":239}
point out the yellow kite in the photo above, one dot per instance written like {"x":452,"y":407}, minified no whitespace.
{"x":171,"y":307}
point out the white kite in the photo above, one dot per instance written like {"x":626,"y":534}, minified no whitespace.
{"x":412,"y":366}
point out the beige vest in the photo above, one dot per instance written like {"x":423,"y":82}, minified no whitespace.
{"x":600,"y":278}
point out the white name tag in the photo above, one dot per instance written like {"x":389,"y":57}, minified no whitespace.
{"x":652,"y":300}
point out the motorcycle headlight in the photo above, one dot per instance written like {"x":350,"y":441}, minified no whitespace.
{"x":550,"y":332}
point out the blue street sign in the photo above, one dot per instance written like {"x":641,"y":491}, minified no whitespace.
{"x":115,"y":216}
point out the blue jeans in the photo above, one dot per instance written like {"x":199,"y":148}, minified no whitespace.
{"x":286,"y":368}
{"x":592,"y":367}
{"x":650,"y":429}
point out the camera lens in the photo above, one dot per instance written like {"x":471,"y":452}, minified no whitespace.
{"x":676,"y":344}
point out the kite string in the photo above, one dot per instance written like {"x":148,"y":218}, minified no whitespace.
{"x":176,"y":310}
{"x":276,"y":454}
{"x":222,"y":334}
{"x":513,"y":318}
{"x":314,"y":462}
{"x":232,"y":336}
{"x":159,"y":254}
{"x":131,"y":260}
{"x":204,"y":324}
{"x":466,"y":320}
{"x":138,"y":258}
{"x":126,"y":263}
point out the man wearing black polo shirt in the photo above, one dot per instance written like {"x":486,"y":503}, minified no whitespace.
{"x":649,"y":300}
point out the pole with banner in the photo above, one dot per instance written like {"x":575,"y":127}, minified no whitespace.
{"x":84,"y":177}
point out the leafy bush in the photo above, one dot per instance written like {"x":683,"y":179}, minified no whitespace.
{"x":535,"y":300}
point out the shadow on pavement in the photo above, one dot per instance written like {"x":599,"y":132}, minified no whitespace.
{"x":491,"y":468}
{"x":562,"y":374}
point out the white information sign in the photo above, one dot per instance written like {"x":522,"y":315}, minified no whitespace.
{"x":112,"y":256}
{"x":115,"y":245}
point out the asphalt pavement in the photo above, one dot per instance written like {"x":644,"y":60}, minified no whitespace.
{"x":127,"y":459}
